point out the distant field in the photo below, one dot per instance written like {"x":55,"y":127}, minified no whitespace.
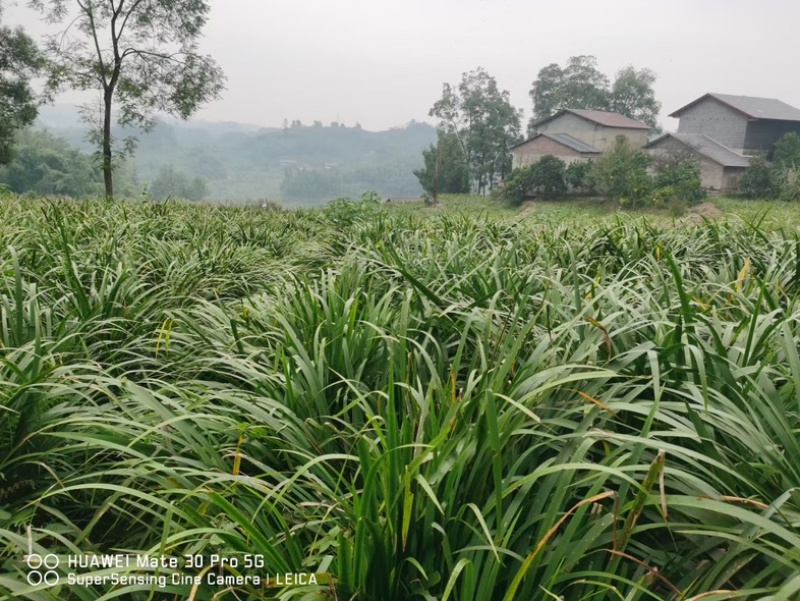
{"x":467,"y":402}
{"x":770,"y":214}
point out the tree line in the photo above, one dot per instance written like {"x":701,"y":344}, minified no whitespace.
{"x":478,"y":125}
{"x":46,"y":165}
{"x":141,"y":58}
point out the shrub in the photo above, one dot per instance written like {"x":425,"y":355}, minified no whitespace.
{"x":578,"y":175}
{"x":550,"y":176}
{"x":345,"y":211}
{"x":759,"y":180}
{"x":683,"y":181}
{"x":519,"y":184}
{"x":789,"y":183}
{"x":546,"y":176}
{"x":622,"y":175}
{"x":787,"y":151}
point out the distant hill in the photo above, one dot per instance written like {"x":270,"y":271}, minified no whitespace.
{"x":299,"y":164}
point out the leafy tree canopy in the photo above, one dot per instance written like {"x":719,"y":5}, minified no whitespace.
{"x":632,"y":95}
{"x":446,"y":170}
{"x":787,"y":151}
{"x":581,"y":85}
{"x":141,"y":55}
{"x":19,"y":61}
{"x":483,"y":121}
{"x":547,"y":176}
{"x":622,"y":174}
{"x":759,"y":180}
{"x":47,"y":165}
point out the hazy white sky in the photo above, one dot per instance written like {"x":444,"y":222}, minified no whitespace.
{"x":382,"y":63}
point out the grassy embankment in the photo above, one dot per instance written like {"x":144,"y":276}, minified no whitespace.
{"x":426,"y":405}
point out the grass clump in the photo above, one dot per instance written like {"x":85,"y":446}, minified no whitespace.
{"x":438,"y":404}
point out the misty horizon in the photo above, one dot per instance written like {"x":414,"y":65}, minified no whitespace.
{"x":383,"y":66}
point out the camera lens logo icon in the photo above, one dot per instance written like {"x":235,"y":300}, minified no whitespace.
{"x":42,"y":569}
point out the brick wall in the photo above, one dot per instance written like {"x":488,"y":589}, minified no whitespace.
{"x":717,"y":121}
{"x":535,"y":149}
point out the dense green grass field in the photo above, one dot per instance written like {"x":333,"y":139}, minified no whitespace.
{"x":462,"y":403}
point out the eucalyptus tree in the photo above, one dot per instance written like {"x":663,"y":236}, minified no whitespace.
{"x":141,"y":55}
{"x":483,"y":121}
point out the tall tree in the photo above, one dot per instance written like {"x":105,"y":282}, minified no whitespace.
{"x":20,"y":60}
{"x":141,"y":55}
{"x":579,"y":85}
{"x":483,"y":121}
{"x":446,"y":169}
{"x":632,"y":95}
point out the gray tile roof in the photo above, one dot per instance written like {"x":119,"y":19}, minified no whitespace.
{"x":573,"y":143}
{"x":605,"y":118}
{"x":753,"y":107}
{"x":707,"y":147}
{"x":610,"y":119}
{"x":564,"y":140}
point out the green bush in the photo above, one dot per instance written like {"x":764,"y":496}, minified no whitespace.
{"x":789,"y":183}
{"x":683,"y":182}
{"x":578,"y":176}
{"x":345,"y":211}
{"x":519,"y":184}
{"x":759,"y":180}
{"x":550,"y":176}
{"x":787,"y":150}
{"x":547,"y":176}
{"x":446,"y":162}
{"x":622,"y":175}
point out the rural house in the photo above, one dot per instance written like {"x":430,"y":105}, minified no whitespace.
{"x":563,"y":146}
{"x":577,"y":134}
{"x":724,"y":131}
{"x":720,"y":167}
{"x":745,"y":124}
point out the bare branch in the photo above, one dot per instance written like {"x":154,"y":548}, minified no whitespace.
{"x":88,"y":12}
{"x":131,"y":10}
{"x":157,"y":55}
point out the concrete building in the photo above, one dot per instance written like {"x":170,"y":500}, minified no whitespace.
{"x":744,"y":124}
{"x":720,"y":166}
{"x":577,"y":134}
{"x":563,"y":146}
{"x":599,"y":129}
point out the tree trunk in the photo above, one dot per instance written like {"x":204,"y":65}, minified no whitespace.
{"x":107,"y":171}
{"x":436,"y":177}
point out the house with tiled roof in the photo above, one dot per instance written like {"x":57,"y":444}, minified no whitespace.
{"x":578,"y":135}
{"x":720,"y":166}
{"x":723,"y":132}
{"x":564,"y":146}
{"x":745,"y":124}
